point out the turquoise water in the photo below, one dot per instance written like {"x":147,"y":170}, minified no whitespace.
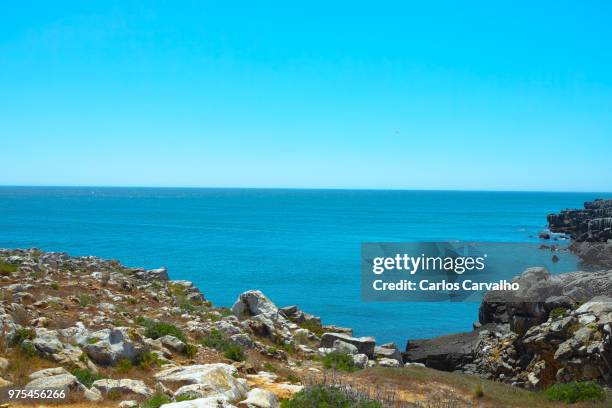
{"x":297,"y":246}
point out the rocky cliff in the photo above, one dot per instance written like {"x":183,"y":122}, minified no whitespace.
{"x":590,"y":229}
{"x":593,"y":223}
{"x":533,"y":344}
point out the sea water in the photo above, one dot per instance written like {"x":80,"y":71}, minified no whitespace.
{"x":297,"y":246}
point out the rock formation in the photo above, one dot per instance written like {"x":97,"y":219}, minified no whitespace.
{"x":590,"y":229}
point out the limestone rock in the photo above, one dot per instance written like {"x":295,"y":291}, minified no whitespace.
{"x":108,"y":346}
{"x":210,"y":380}
{"x":123,"y":386}
{"x":365,"y":345}
{"x":210,"y":402}
{"x":260,"y":398}
{"x":66,"y":382}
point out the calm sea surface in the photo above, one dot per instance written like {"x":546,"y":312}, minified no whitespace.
{"x":297,"y":246}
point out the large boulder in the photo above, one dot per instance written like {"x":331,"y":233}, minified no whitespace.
{"x":446,"y":353}
{"x":209,"y":402}
{"x":260,"y":398}
{"x":66,"y":382}
{"x":48,"y":344}
{"x":365,"y":345}
{"x":108,"y":346}
{"x":254,"y":303}
{"x":298,"y":316}
{"x":206,"y":380}
{"x":122,"y":387}
{"x":48,"y":372}
{"x":388,"y":352}
{"x":153,"y":274}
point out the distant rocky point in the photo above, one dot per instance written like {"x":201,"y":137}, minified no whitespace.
{"x":590,"y":229}
{"x":591,"y":224}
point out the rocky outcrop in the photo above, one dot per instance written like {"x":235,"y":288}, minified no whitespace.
{"x":591,"y":224}
{"x":66,"y":382}
{"x":364,"y":345}
{"x":557,"y":328}
{"x":207,"y":380}
{"x":447,"y":353}
{"x":210,"y":402}
{"x":122,"y":387}
{"x":108,"y":346}
{"x":259,"y":398}
{"x":590,"y":229}
{"x":539,"y":294}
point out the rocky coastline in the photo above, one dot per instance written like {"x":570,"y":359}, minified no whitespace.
{"x":109,"y":333}
{"x":590,"y":229}
{"x":566,"y":335}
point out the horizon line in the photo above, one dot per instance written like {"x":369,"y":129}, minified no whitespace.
{"x":302,"y":188}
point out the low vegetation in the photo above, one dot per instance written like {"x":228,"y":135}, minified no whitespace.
{"x":339,"y":361}
{"x":218,"y":341}
{"x":576,"y":392}
{"x":85,"y":299}
{"x":328,"y":397}
{"x":156,"y":401}
{"x":86,"y":376}
{"x":155,"y":329}
{"x":313,"y":327}
{"x":6,"y":268}
{"x":558,"y":312}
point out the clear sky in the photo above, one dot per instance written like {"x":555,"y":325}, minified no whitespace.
{"x":500,"y":95}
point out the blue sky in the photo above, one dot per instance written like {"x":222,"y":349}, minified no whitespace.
{"x":443,"y":95}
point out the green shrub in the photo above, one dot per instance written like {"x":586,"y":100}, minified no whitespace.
{"x":27,"y":349}
{"x":215,"y":340}
{"x":54,"y":285}
{"x":156,"y":401}
{"x":328,"y":397}
{"x":293,"y":379}
{"x":234,"y":352}
{"x":6,"y":268}
{"x":339,"y":361}
{"x":148,"y":360}
{"x":190,"y":350}
{"x":558,"y":312}
{"x":219,"y":342}
{"x":155,"y":329}
{"x":124,"y":365}
{"x":192,"y":307}
{"x":85,"y":299}
{"x":22,"y":334}
{"x":313,"y":326}
{"x":576,"y":391}
{"x":86,"y":376}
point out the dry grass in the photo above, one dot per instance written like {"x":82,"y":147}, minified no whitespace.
{"x":428,"y":382}
{"x":21,"y":366}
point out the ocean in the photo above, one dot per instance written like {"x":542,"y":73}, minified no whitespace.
{"x":297,"y":246}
